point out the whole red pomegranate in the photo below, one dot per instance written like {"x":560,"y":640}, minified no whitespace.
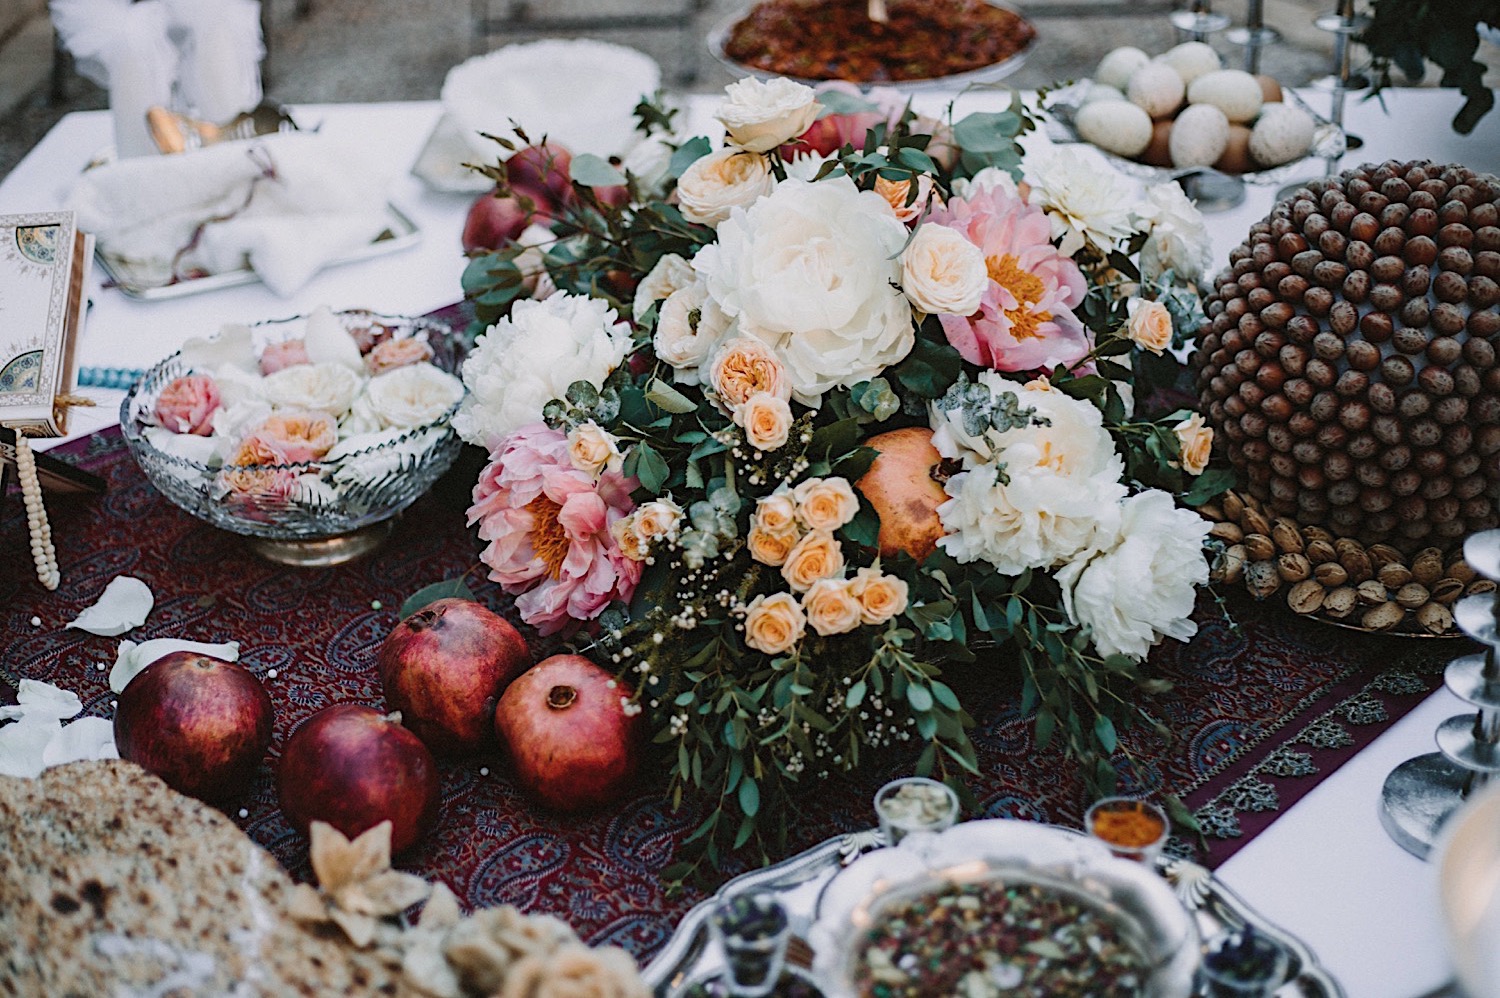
{"x":543,"y":171}
{"x":572,"y":743}
{"x":444,"y":668}
{"x":354,"y":767}
{"x":202,"y":724}
{"x":494,"y":221}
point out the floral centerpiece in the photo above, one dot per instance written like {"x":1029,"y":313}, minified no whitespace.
{"x":794,"y":429}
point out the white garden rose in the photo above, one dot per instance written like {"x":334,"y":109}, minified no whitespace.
{"x":593,"y":449}
{"x":1176,"y":240}
{"x":716,"y":184}
{"x":531,"y":357}
{"x":414,"y":395}
{"x":1073,"y":443}
{"x":671,"y":273}
{"x":1087,"y":202}
{"x":233,"y":422}
{"x":329,"y":388}
{"x":811,"y":269}
{"x":687,"y":328}
{"x":760,"y":115}
{"x":942,"y":272}
{"x":1139,"y":586}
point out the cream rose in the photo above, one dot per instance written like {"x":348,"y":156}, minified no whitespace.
{"x":593,"y":449}
{"x":771,"y":547}
{"x":628,"y":539}
{"x":744,"y":366}
{"x":716,"y":184}
{"x":1149,"y":325}
{"x":880,"y":596}
{"x":687,"y":327}
{"x":1196,"y":442}
{"x":414,"y":395}
{"x":825,"y":503}
{"x":776,"y":513}
{"x":671,"y":273}
{"x":831,"y":608}
{"x":760,"y":115}
{"x":774,"y":624}
{"x":942,"y":272}
{"x":816,"y":556}
{"x":329,"y":388}
{"x":766,"y":420}
{"x":658,"y":518}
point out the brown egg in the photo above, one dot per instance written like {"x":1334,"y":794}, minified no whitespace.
{"x":1236,"y":158}
{"x":1270,"y":90}
{"x":1158,"y":153}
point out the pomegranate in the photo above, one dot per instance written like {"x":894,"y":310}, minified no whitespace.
{"x":572,"y":743}
{"x":901,"y":488}
{"x":444,"y":668}
{"x":202,"y":724}
{"x":354,"y":767}
{"x":544,"y":169}
{"x":494,"y":221}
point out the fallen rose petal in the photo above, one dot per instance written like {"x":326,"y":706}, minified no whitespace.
{"x":85,"y":740}
{"x":132,"y":658}
{"x":35,"y":698}
{"x":23,"y":744}
{"x":232,"y":345}
{"x":125,"y":603}
{"x":328,"y":342}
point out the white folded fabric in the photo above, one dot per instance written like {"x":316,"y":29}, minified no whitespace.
{"x":285,"y":205}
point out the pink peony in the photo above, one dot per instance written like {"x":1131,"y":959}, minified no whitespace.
{"x":548,"y":528}
{"x":280,"y":356}
{"x":1025,"y":320}
{"x":188,"y":405}
{"x":299,"y":436}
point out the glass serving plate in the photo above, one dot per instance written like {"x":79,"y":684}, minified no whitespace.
{"x":312,"y":513}
{"x":994,"y":72}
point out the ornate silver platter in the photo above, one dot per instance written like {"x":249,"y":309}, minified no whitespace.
{"x":799,"y":882}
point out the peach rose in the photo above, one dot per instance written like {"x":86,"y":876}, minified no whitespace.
{"x":245,"y":478}
{"x":188,"y":405}
{"x":777,"y":513}
{"x":896,"y":192}
{"x":774,"y":624}
{"x":816,"y":556}
{"x":771,"y":547}
{"x":825,"y":503}
{"x":280,"y":356}
{"x":658,"y":518}
{"x":1149,"y":325}
{"x":766,"y":420}
{"x":593,"y":450}
{"x":1196,"y":441}
{"x":880,"y":597}
{"x":745,"y":366}
{"x":391,"y":354}
{"x":629,"y":540}
{"x":299,"y":436}
{"x":716,"y":184}
{"x":831,"y":608}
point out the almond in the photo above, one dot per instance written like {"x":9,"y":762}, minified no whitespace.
{"x":1340,"y":602}
{"x":1382,"y":555}
{"x":1447,"y":590}
{"x":1294,"y":567}
{"x":1427,"y":566}
{"x":1435,"y":618}
{"x":1393,"y":575}
{"x":1261,"y":578}
{"x":1259,"y":547}
{"x":1331,"y":574}
{"x":1306,"y":597}
{"x":1461,"y":571}
{"x":1229,"y":533}
{"x":1286,"y":535}
{"x":1372,"y":593}
{"x":1479,"y":586}
{"x":1319,"y":551}
{"x":1233,"y":505}
{"x":1412,"y":595}
{"x":1211,"y":511}
{"x":1356,"y":563}
{"x":1311,"y":534}
{"x":1255,"y":522}
{"x":1382,"y":617}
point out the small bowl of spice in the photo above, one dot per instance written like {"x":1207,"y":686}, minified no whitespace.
{"x":1243,"y":963}
{"x":914,"y":804}
{"x":1133,"y":829}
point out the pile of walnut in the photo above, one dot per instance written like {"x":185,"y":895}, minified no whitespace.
{"x":1375,"y":587}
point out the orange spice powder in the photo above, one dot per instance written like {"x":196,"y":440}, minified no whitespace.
{"x":1128,"y":824}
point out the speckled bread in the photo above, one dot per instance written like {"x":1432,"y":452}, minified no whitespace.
{"x":113,"y":884}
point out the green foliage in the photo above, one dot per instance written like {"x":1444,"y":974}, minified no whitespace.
{"x":447,"y":589}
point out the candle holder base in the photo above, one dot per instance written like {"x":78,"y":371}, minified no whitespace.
{"x":1418,"y":797}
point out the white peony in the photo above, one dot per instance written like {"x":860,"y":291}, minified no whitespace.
{"x":530,"y":357}
{"x":716,"y":184}
{"x":942,"y":272}
{"x":1087,"y":202}
{"x":671,"y":273}
{"x":1177,"y":239}
{"x":329,"y":388}
{"x":414,"y":395}
{"x":1140,"y":585}
{"x":687,"y":329}
{"x":1073,"y":443}
{"x":760,"y":115}
{"x":811,"y":269}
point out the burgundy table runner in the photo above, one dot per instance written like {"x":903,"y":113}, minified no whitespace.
{"x":1263,"y":708}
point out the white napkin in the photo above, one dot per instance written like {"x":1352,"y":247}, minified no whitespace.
{"x":285,"y":204}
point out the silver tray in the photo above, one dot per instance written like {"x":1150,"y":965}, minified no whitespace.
{"x":440,"y":164}
{"x":799,"y":882}
{"x":400,"y":232}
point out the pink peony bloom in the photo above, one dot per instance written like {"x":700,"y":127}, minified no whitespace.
{"x":299,"y":436}
{"x":188,"y":405}
{"x":548,"y":528}
{"x":280,"y":356}
{"x":1025,"y":319}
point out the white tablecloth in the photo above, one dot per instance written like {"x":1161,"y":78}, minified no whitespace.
{"x":1325,"y":869}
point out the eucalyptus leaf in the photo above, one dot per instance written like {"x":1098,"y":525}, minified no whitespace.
{"x":664,"y":396}
{"x":447,"y":589}
{"x":594,"y":171}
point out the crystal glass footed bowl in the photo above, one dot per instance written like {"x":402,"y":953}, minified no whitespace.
{"x":319,"y":512}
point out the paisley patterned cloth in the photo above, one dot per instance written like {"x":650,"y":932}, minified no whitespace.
{"x":1263,"y":707}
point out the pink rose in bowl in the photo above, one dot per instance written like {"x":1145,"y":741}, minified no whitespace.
{"x":188,"y":405}
{"x":252,"y":473}
{"x":391,"y":354}
{"x":280,"y":356}
{"x":547,"y":525}
{"x":298,"y":436}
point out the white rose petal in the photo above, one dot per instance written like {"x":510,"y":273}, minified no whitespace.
{"x":328,"y":342}
{"x":714,"y":185}
{"x":35,"y":698}
{"x":233,"y":346}
{"x":125,"y":603}
{"x":379,"y":456}
{"x":132,"y":658}
{"x":360,"y":419}
{"x":760,"y":115}
{"x":329,"y":388}
{"x":24,"y":744}
{"x":185,"y":446}
{"x":806,"y":164}
{"x":233,"y":423}
{"x":237,"y":385}
{"x":84,"y":740}
{"x":942,"y":272}
{"x":313,"y":491}
{"x":413,"y":396}
{"x":671,"y":273}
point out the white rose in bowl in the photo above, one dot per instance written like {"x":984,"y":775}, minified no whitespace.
{"x":414,"y":395}
{"x":329,"y":388}
{"x":531,"y":357}
{"x":716,"y":184}
{"x":942,"y":272}
{"x":232,"y":423}
{"x":812,"y":270}
{"x":760,"y":115}
{"x":1140,"y":585}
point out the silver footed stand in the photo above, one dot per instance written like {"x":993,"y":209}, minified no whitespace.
{"x":1254,"y":36}
{"x":1198,"y":21}
{"x":1420,"y":793}
{"x":1343,"y":24}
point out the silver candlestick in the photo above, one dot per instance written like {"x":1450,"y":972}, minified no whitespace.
{"x":1344,"y":24}
{"x":1198,"y":21}
{"x":1254,"y":36}
{"x":1420,"y":793}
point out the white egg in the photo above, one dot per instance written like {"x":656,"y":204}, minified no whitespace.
{"x":1191,"y":60}
{"x":1157,"y":88}
{"x":1115,"y":126}
{"x":1233,"y":91}
{"x":1095,"y":92}
{"x":1199,"y":136}
{"x":1115,"y":68}
{"x":1282,"y":133}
